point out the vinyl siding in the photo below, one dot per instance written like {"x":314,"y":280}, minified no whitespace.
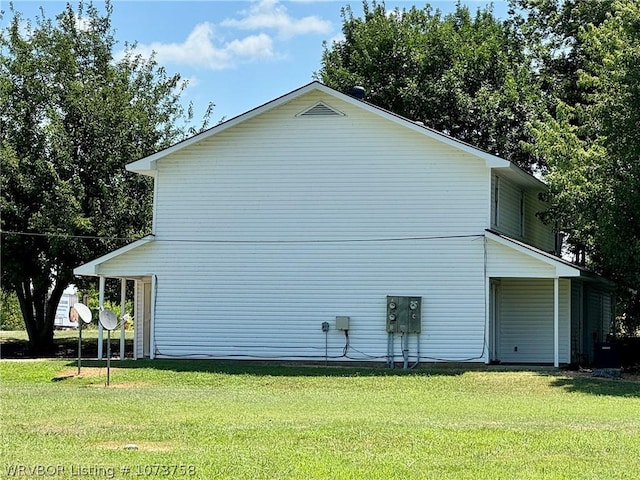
{"x":275,"y":305}
{"x":282,"y":177}
{"x":531,"y":229}
{"x":503,"y":261}
{"x":537,"y":233}
{"x":229,"y":300}
{"x":508,"y":221}
{"x":526,"y":320}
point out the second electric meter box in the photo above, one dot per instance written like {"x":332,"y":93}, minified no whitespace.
{"x":404,"y":314}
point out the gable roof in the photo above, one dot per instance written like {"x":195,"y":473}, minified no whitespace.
{"x":147,"y":165}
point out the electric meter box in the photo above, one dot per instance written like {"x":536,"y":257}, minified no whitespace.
{"x":404,"y":314}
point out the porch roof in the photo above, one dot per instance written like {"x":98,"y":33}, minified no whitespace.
{"x":92,"y":268}
{"x":563,"y":268}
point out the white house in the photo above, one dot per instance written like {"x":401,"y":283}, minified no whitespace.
{"x":319,"y":207}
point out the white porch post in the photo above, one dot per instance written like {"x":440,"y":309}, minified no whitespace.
{"x":100,"y":308}
{"x":556,"y":319}
{"x":152,"y":321}
{"x":487,"y":321}
{"x":123,"y":299}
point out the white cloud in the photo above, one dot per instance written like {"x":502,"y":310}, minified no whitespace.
{"x":199,"y":50}
{"x":205,"y":46}
{"x":269,"y":14}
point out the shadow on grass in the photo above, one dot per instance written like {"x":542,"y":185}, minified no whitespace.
{"x":283,"y":369}
{"x":584,"y":383}
{"x":65,"y":347}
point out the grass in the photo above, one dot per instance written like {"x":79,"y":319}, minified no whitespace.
{"x":197,"y":419}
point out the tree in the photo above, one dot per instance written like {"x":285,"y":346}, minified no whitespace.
{"x":71,"y":117}
{"x":550,"y":30}
{"x":10,"y":317}
{"x":465,"y":76}
{"x":593,"y":150}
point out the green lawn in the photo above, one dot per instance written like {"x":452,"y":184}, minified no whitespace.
{"x":230,"y":420}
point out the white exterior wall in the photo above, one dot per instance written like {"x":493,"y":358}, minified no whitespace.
{"x":282,"y":177}
{"x":508,"y":221}
{"x":268,"y":301}
{"x":536,"y":233}
{"x":503,"y":261}
{"x":525,"y":320}
{"x":272,"y":227}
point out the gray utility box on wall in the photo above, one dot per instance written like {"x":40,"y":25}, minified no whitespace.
{"x":404,"y":314}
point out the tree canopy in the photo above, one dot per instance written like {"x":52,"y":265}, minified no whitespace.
{"x":71,"y":117}
{"x":463,"y":75}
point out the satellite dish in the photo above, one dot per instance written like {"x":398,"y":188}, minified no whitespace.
{"x":83,"y":312}
{"x":108,"y":319}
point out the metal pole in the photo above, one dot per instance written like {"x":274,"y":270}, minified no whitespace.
{"x":108,"y":355}
{"x":80,"y":322}
{"x":393,"y":355}
{"x":100,"y":308}
{"x":405,"y":350}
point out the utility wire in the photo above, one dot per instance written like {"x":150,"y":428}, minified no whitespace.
{"x":213,"y":241}
{"x":66,"y":236}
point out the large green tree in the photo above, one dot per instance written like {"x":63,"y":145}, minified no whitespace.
{"x":462,"y":74}
{"x":592,"y":143}
{"x":71,"y":117}
{"x":550,"y":29}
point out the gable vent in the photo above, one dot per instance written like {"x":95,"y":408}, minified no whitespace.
{"x":320,"y":110}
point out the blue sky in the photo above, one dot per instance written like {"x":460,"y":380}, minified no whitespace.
{"x":236,"y":54}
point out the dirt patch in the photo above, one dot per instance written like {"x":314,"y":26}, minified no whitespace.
{"x":161,"y":447}
{"x":98,"y":372}
{"x":85,"y":372}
